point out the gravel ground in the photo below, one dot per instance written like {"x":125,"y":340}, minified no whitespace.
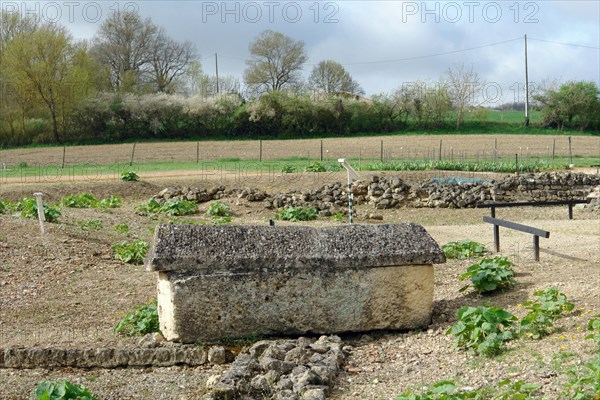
{"x":69,"y":292}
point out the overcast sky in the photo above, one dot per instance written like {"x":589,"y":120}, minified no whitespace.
{"x":384,"y":44}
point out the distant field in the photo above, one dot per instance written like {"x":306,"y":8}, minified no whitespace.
{"x":274,"y":156}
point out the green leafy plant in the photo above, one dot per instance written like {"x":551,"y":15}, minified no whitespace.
{"x":178,"y":207}
{"x":463,"y":249}
{"x":91,"y":224}
{"x":548,"y":306}
{"x":295,"y":214}
{"x":131,"y":252}
{"x":151,"y":206}
{"x":3,"y":207}
{"x":482,"y":329}
{"x":218,"y":209}
{"x":288,"y":169}
{"x":122,"y":228}
{"x":62,"y":390}
{"x":82,"y":200}
{"x":28,"y":209}
{"x":594,"y":327}
{"x":338,"y":217}
{"x":220,"y":220}
{"x":315,"y":167}
{"x":129,"y":176}
{"x":446,"y":390}
{"x":141,"y":321}
{"x":584,"y":384}
{"x":517,"y":390}
{"x":111,"y":202}
{"x":490,"y":274}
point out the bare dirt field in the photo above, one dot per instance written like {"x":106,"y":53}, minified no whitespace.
{"x":65,"y":289}
{"x":402,"y":146}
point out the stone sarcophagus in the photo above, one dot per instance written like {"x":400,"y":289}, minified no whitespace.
{"x":231,"y":281}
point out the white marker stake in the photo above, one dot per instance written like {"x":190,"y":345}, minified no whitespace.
{"x":40,"y":208}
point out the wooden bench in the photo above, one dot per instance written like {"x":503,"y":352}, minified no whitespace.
{"x":537,"y":233}
{"x":570,"y":203}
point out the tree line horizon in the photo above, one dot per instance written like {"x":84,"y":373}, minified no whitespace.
{"x":133,"y":81}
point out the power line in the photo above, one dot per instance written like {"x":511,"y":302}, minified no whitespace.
{"x":434,"y":55}
{"x":566,"y":44}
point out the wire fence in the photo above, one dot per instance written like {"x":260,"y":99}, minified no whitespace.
{"x":476,"y":148}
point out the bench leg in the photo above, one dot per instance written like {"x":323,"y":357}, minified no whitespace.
{"x":570,"y":211}
{"x":536,"y":247}
{"x":497,"y":238}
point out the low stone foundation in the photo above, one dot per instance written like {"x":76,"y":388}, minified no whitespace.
{"x":219,"y":282}
{"x":46,"y":357}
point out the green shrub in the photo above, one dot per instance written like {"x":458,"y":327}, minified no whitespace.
{"x":82,"y":200}
{"x":482,"y":329}
{"x":129,"y":176}
{"x":28,"y":209}
{"x":548,"y":306}
{"x":62,"y":390}
{"x":141,"y":321}
{"x":3,"y":207}
{"x":94,"y":224}
{"x":594,"y":327}
{"x":490,"y":274}
{"x":295,"y":214}
{"x":315,"y":167}
{"x":218,"y":209}
{"x":111,"y":202}
{"x":463,"y":249}
{"x":131,"y":252}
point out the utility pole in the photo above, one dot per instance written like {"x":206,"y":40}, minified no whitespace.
{"x":217,"y":70}
{"x":526,"y":87}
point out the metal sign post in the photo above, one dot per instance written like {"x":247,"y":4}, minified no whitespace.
{"x":40,"y":209}
{"x":351,"y":173}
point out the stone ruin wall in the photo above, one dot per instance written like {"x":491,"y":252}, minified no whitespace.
{"x":384,"y":192}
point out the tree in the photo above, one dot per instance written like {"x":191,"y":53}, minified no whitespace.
{"x":47,"y":66}
{"x":573,"y":104}
{"x":330,"y":77}
{"x":169,"y":60}
{"x":124,"y":44}
{"x":275,"y":63}
{"x":462,"y":84}
{"x":13,"y":102}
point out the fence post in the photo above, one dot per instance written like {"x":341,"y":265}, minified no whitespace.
{"x":570,"y":152}
{"x":260,"y":150}
{"x":64,"y":155}
{"x":321,"y":150}
{"x":132,"y":153}
{"x":381,"y":151}
{"x":495,"y":150}
{"x":197,"y":152}
{"x":440,"y":153}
